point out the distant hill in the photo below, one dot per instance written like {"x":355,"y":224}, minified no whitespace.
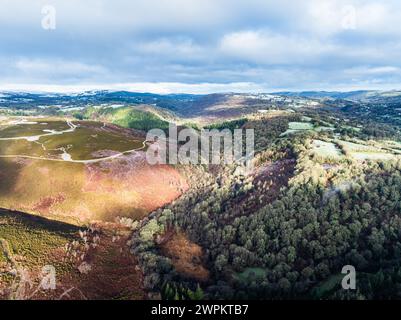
{"x":193,"y":108}
{"x":361,"y":95}
{"x":23,"y":99}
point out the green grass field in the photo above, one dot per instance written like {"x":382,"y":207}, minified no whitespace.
{"x":307,"y":125}
{"x":126,"y":117}
{"x":83,"y":143}
{"x":326,"y":150}
{"x":31,"y":128}
{"x":361,"y":152}
{"x":300,"y":126}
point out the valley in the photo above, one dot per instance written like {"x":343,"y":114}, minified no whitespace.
{"x":324,"y":192}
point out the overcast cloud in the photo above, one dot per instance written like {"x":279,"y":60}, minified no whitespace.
{"x":201,"y":45}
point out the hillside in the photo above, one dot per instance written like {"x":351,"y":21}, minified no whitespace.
{"x":91,"y":171}
{"x":84,"y":261}
{"x":324,"y":193}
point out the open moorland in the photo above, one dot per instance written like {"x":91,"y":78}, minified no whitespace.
{"x":324,"y":192}
{"x":80,"y":171}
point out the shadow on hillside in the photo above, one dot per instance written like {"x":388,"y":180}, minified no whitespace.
{"x":33,"y":221}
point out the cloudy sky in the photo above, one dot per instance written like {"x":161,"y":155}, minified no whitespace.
{"x":200,"y":45}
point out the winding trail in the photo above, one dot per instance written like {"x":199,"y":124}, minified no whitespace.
{"x":65,"y":156}
{"x":117,"y":155}
{"x":50,"y":133}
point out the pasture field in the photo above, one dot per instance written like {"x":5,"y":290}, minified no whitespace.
{"x":394,"y":146}
{"x":324,"y":128}
{"x":356,"y":147}
{"x":326,"y":149}
{"x":373,"y":156}
{"x":339,"y":149}
{"x":359,"y":151}
{"x":296,"y":127}
{"x":300,"y":126}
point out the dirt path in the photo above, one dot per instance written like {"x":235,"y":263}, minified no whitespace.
{"x":65,"y":156}
{"x":68,"y":159}
{"x":50,"y":133}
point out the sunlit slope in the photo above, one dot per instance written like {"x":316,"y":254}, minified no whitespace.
{"x":94,"y":172}
{"x":135,"y":118}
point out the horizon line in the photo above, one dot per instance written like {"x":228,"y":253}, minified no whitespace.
{"x":167,"y":88}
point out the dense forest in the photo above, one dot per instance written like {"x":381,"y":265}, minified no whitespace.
{"x":123,"y":116}
{"x":267,"y":237}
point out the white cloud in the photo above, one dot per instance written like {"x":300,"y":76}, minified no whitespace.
{"x":282,"y":44}
{"x":268,"y":48}
{"x":57,"y":67}
{"x":152,"y":87}
{"x":172,"y":49}
{"x":360,"y":71}
{"x":136,"y":15}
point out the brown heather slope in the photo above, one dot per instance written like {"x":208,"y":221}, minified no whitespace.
{"x":107,"y":271}
{"x":186,"y":256}
{"x":80,"y":193}
{"x":93,"y":263}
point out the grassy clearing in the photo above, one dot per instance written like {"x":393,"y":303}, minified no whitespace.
{"x":83,"y":143}
{"x":326,"y":150}
{"x":296,"y":127}
{"x":306,"y":119}
{"x":300,"y":126}
{"x":362,"y":152}
{"x":31,"y":129}
{"x":356,"y":147}
{"x":288,"y":132}
{"x":324,"y":128}
{"x":393,"y":146}
{"x":372,"y":156}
